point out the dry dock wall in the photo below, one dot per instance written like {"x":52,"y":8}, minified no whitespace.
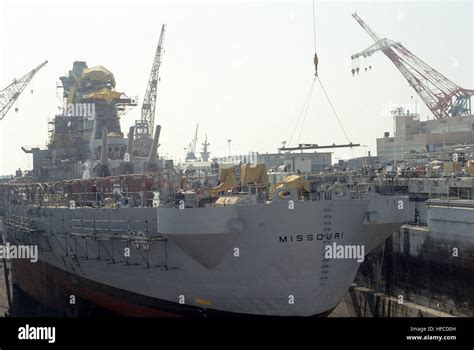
{"x":431,"y":269}
{"x":3,"y":293}
{"x":365,"y":302}
{"x":421,"y":270}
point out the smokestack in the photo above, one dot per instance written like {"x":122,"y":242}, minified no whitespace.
{"x":103,"y":169}
{"x":128,"y":166}
{"x":154,"y":146}
{"x":93,"y":136}
{"x":131,"y":133}
{"x":104,"y":154}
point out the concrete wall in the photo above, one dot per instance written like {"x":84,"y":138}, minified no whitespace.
{"x":365,"y":302}
{"x":420,"y":266}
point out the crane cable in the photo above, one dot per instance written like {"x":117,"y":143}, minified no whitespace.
{"x":316,"y":61}
{"x":303,"y":109}
{"x":306,"y":111}
{"x":310,"y":92}
{"x":314,"y":27}
{"x":334,"y":110}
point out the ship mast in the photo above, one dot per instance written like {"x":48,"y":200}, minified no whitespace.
{"x":205,"y":152}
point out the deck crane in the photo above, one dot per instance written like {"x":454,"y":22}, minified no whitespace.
{"x":145,"y":126}
{"x":443,"y":97}
{"x":10,"y":94}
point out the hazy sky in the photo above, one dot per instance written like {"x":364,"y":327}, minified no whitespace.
{"x":240,"y":69}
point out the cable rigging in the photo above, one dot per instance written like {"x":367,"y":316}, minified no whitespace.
{"x":304,"y":110}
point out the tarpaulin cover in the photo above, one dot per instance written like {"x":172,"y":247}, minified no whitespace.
{"x":253,"y":174}
{"x":228,"y":182}
{"x":105,"y":94}
{"x":99,"y":73}
{"x":296,"y":182}
{"x":227,"y":201}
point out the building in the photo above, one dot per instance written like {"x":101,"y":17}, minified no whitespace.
{"x":359,"y":162}
{"x":415,"y":140}
{"x":304,"y":162}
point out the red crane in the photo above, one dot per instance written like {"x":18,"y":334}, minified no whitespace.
{"x":443,"y":97}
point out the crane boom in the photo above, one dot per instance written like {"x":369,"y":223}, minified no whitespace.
{"x":364,"y":25}
{"x":10,"y":94}
{"x":443,"y":97}
{"x":195,"y":139}
{"x":149,"y":101}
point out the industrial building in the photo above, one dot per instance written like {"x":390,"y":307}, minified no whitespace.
{"x":359,"y":162}
{"x":417,"y":141}
{"x":302,"y":162}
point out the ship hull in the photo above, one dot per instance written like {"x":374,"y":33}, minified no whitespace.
{"x":61,"y":285}
{"x":269,"y":259}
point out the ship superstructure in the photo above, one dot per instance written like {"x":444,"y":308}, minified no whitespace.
{"x":86,"y":137}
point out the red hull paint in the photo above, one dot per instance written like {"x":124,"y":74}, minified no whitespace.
{"x":53,"y":287}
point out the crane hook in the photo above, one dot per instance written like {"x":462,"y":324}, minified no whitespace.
{"x":316,"y":61}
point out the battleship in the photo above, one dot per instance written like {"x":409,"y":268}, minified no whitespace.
{"x":196,"y":260}
{"x":121,"y":227}
{"x":200,"y":199}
